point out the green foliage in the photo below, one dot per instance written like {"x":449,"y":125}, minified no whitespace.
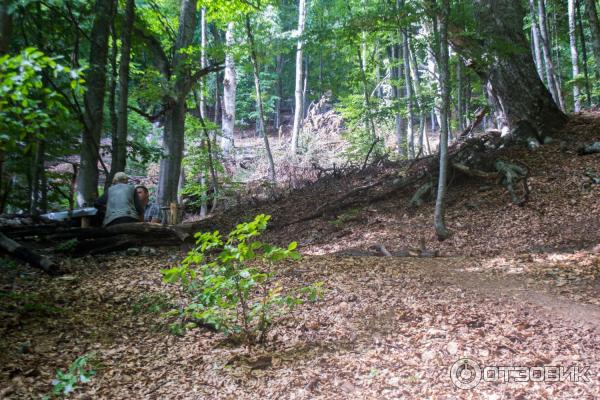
{"x":26,"y":304}
{"x":346,"y":217}
{"x":151,"y":304}
{"x":67,"y":246}
{"x":80,"y":371}
{"x":231,"y":282}
{"x":28,"y":108}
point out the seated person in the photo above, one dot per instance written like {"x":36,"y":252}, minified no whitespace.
{"x":122,"y":202}
{"x":151,"y":210}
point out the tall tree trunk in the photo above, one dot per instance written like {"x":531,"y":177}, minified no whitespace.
{"x":5,"y":26}
{"x":545,"y":42}
{"x":229,"y":88}
{"x":535,"y":39}
{"x":37,"y":171}
{"x":592,"y":13}
{"x":459,"y":95}
{"x":87,"y":180}
{"x":444,"y":78}
{"x":174,"y":126}
{"x":279,"y":71}
{"x":393,"y":53}
{"x":119,"y":154}
{"x":202,"y":110}
{"x":574,"y":55}
{"x":512,"y":75}
{"x":261,"y":114}
{"x":584,"y":55}
{"x":112,"y":98}
{"x":416,"y":78}
{"x":410,"y":134}
{"x":298,"y":91}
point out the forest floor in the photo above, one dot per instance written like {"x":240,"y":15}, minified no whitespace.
{"x":514,"y":286}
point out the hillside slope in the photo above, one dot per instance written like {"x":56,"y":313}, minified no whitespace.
{"x":563,"y":211}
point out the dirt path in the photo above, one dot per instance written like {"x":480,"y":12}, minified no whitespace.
{"x":387,"y":328}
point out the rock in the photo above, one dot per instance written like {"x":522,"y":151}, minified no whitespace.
{"x":148,"y":251}
{"x":132,"y":251}
{"x":436,"y":333}
{"x":548,"y":140}
{"x":452,"y":348}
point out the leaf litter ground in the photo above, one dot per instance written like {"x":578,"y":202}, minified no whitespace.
{"x":515,"y":287}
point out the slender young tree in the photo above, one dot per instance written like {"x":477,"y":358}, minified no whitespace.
{"x":592,"y":13}
{"x":574,"y":55}
{"x":299,"y":92}
{"x":259,"y":103}
{"x":535,"y":40}
{"x":584,"y":55}
{"x":545,"y":43}
{"x":229,"y":90}
{"x":442,"y":52}
{"x":394,"y":72}
{"x":410,"y":134}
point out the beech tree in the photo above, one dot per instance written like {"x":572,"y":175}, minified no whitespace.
{"x":87,"y":180}
{"x":521,"y":96}
{"x":299,"y":81}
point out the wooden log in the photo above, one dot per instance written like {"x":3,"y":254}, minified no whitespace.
{"x":23,"y":253}
{"x":590,"y":148}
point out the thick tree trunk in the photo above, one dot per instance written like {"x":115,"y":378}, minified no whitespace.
{"x":170,"y":165}
{"x":119,"y":153}
{"x":298,"y":92}
{"x":261,"y":114}
{"x":574,"y":55}
{"x":87,"y":181}
{"x":513,"y":79}
{"x":592,"y":13}
{"x":174,"y":125}
{"x":444,"y":79}
{"x":229,"y":88}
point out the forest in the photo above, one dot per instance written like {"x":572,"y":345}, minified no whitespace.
{"x":299,"y":199}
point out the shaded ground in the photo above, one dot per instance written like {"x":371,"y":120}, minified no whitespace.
{"x":387,"y":328}
{"x":517,"y":286}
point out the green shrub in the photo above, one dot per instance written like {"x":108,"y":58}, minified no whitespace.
{"x":231,"y":282}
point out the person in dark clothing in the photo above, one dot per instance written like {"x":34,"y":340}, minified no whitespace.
{"x":122,"y":202}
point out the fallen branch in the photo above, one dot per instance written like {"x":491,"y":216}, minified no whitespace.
{"x":15,"y":249}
